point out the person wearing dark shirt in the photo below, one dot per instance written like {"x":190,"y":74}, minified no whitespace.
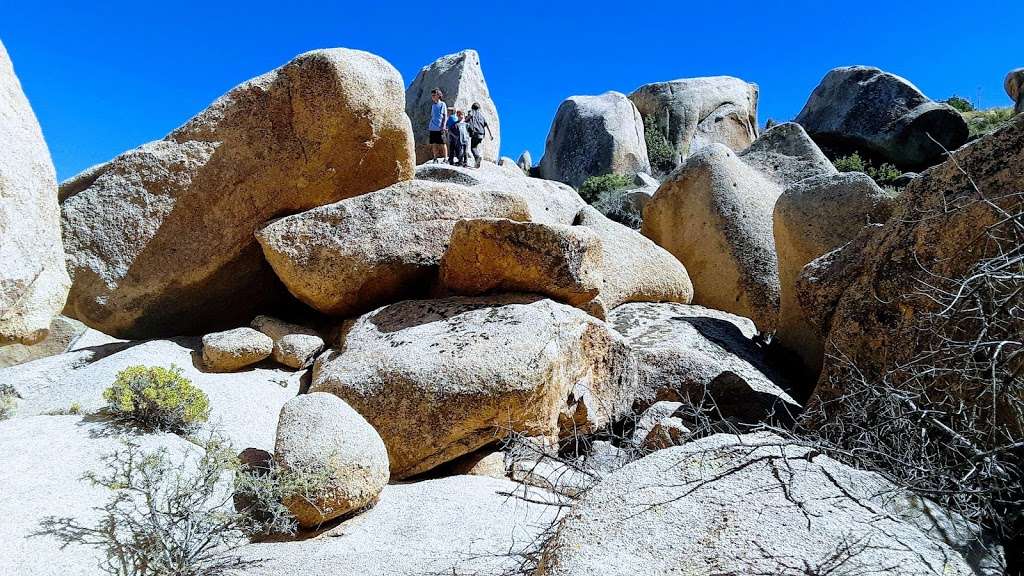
{"x":478,"y":128}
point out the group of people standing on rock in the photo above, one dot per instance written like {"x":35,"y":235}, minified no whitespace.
{"x":456,"y":133}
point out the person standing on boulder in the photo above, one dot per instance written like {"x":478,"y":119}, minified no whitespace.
{"x":452,"y":130}
{"x":436,"y":126}
{"x":478,"y":128}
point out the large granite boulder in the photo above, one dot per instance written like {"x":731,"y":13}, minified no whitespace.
{"x":442,"y":378}
{"x":550,"y":202}
{"x":811,"y":218}
{"x":500,"y":255}
{"x":751,"y":504}
{"x":65,"y":334}
{"x":715,"y":215}
{"x":694,"y":112}
{"x":349,"y":257}
{"x":160,"y":239}
{"x":461,"y":79}
{"x":633,"y":268}
{"x":320,"y":434}
{"x":33,"y":279}
{"x":594,"y":136}
{"x":705,"y":358}
{"x":952,"y":219}
{"x":881,"y":115}
{"x":1014,"y":85}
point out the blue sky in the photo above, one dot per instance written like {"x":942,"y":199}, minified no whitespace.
{"x":104,"y":77}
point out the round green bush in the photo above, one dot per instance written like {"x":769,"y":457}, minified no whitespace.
{"x":157,"y":397}
{"x":594,"y":186}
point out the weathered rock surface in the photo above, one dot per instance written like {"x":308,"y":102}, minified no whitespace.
{"x":593,"y":136}
{"x":701,"y":357}
{"x":677,"y":511}
{"x":65,"y":334}
{"x":500,"y":255}
{"x":33,"y":279}
{"x":232,"y":350}
{"x":811,"y":218}
{"x":633,"y":269}
{"x":351,"y":256}
{"x":244,"y":406}
{"x":861,"y":108}
{"x":44,"y":459}
{"x":653,"y":414}
{"x":550,"y":202}
{"x":694,"y":112}
{"x":1014,"y":85}
{"x":715,"y":216}
{"x":320,"y":432}
{"x":461,"y":79}
{"x":460,"y":524}
{"x":295,"y":346}
{"x":881,"y":321}
{"x":525,"y":161}
{"x":160,"y":239}
{"x":442,"y":378}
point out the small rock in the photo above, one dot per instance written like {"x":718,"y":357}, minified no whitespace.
{"x":294,"y":346}
{"x":233,"y":350}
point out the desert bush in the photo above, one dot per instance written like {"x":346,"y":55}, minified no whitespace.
{"x":7,"y":404}
{"x":885,"y":175}
{"x":961,"y":104}
{"x":158,"y":398}
{"x":659,"y":151}
{"x":163,"y":518}
{"x":980,"y":122}
{"x":262,"y":491}
{"x":595,"y":185}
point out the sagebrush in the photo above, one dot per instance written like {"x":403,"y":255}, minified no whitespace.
{"x":158,"y":398}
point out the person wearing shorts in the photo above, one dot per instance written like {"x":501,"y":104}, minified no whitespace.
{"x":436,"y":125}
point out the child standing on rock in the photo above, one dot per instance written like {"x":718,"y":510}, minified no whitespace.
{"x":463,"y":140}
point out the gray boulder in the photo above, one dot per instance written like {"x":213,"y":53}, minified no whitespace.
{"x":442,"y":378}
{"x":751,"y":504}
{"x":65,"y":334}
{"x":349,"y":257}
{"x":525,"y":161}
{"x":861,"y":108}
{"x":704,"y":358}
{"x":234,"y":349}
{"x":1014,"y":85}
{"x":295,"y":346}
{"x":594,"y":136}
{"x":33,"y":279}
{"x":461,"y":79}
{"x":694,"y":112}
{"x":160,"y":239}
{"x":715,"y":215}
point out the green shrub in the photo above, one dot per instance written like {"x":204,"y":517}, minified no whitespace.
{"x":885,"y":175}
{"x":7,"y":404}
{"x":961,"y":104}
{"x":659,"y":150}
{"x":595,"y":185}
{"x":261,"y":493}
{"x":158,"y":398}
{"x":981,"y":122}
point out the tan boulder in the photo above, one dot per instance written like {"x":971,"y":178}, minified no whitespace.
{"x":715,"y":215}
{"x":811,"y":218}
{"x":499,"y":255}
{"x":233,"y":350}
{"x":442,"y":378}
{"x":322,"y":436}
{"x":33,"y":279}
{"x":326,"y":126}
{"x":295,"y":346}
{"x":351,"y":256}
{"x":1014,"y":85}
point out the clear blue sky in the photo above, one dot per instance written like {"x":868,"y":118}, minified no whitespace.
{"x":104,"y":77}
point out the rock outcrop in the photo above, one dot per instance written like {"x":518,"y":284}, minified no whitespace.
{"x":500,"y":255}
{"x":694,"y":112}
{"x":320,"y":435}
{"x":232,"y":350}
{"x":550,"y":202}
{"x":1014,"y":85}
{"x":715,"y":215}
{"x":160,"y":239}
{"x":461,"y":79}
{"x":678,"y":511}
{"x":33,"y":279}
{"x":863,"y":109}
{"x":354,"y":255}
{"x":705,"y":358}
{"x":294,"y":346}
{"x":525,"y":162}
{"x":811,"y":218}
{"x":593,"y":136}
{"x":442,"y":378}
{"x":65,"y":334}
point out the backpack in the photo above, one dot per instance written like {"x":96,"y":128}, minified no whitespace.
{"x":476,"y":125}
